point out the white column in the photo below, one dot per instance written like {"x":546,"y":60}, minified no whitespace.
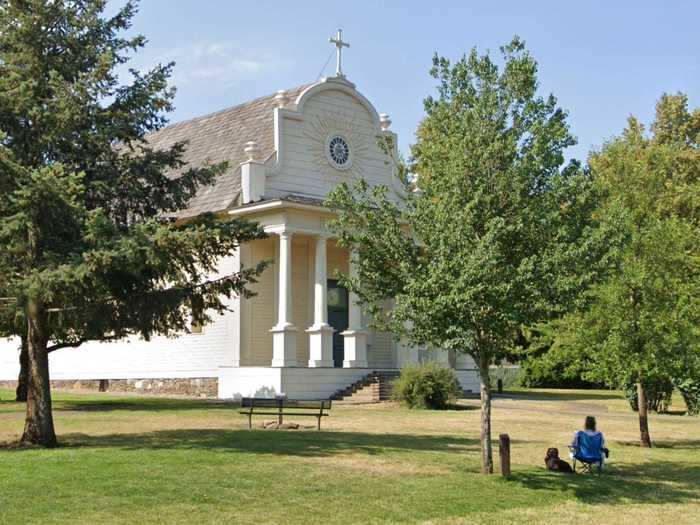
{"x":355,"y":337}
{"x":320,"y":333}
{"x":284,"y":333}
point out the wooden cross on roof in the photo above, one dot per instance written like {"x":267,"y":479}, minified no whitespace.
{"x":339,"y":45}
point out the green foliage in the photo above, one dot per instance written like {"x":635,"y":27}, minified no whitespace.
{"x":547,"y":363}
{"x":643,"y":321}
{"x":497,"y":236}
{"x":689,"y":387}
{"x":428,"y":385}
{"x":84,"y":199}
{"x":659,"y":391}
{"x":687,"y":381}
{"x":552,"y":371}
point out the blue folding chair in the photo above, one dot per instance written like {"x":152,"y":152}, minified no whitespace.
{"x":588,"y":451}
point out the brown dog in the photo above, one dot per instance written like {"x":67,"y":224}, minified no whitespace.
{"x":555,"y":463}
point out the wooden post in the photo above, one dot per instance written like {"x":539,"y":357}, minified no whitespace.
{"x":504,"y":452}
{"x":281,"y":398}
{"x":499,"y":384}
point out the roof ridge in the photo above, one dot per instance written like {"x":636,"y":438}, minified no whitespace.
{"x":299,"y":88}
{"x":221,"y":136}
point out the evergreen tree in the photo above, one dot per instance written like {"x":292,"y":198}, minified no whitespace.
{"x":91,"y":249}
{"x":12,"y":322}
{"x":498,"y":235}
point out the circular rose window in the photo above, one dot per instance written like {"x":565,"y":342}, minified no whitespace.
{"x":338,"y":152}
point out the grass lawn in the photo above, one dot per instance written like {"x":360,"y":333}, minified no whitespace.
{"x":152,"y":460}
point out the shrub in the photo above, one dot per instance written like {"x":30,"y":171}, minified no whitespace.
{"x":426,"y":386}
{"x":547,"y":360}
{"x":690,"y":390}
{"x":658,"y":390}
{"x":549,"y":372}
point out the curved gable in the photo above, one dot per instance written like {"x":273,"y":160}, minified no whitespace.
{"x":328,"y":112}
{"x":342,"y":86}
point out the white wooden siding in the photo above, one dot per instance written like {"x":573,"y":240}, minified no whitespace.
{"x":300,"y":173}
{"x":195,"y":355}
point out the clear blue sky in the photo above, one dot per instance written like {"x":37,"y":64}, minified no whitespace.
{"x":602,"y":60}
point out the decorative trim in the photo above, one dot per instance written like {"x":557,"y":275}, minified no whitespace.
{"x":322,"y":130}
{"x":340,"y":85}
{"x":329,"y":154}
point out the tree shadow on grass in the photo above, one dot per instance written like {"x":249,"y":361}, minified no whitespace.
{"x":169,"y":404}
{"x":560,"y":395}
{"x":655,"y":482}
{"x":678,"y":444}
{"x":460,"y":408}
{"x":143,"y":404}
{"x":678,"y":412}
{"x":309,"y":443}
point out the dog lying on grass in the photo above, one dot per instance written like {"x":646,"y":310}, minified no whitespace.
{"x":554,"y":463}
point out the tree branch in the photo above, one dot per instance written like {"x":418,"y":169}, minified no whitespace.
{"x":58,"y":346}
{"x":76,"y":344}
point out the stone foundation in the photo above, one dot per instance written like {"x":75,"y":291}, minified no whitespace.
{"x":205,"y":387}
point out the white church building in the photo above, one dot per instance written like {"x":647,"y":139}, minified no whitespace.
{"x":302,"y":334}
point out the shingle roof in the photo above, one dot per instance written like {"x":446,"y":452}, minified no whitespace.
{"x":219,"y":137}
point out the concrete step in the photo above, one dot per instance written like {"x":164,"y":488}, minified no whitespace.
{"x":374,"y":387}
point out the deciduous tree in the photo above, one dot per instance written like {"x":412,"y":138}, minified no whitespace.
{"x":497,"y":236}
{"x":643,"y":323}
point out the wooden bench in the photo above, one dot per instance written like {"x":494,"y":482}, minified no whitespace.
{"x":280,"y":407}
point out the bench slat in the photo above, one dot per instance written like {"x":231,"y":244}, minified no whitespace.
{"x":248,"y":402}
{"x":286,"y":414}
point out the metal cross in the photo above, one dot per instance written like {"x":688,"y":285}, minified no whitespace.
{"x":339,"y":45}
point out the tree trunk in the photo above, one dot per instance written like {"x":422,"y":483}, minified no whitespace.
{"x":644,"y":437}
{"x":23,"y":378}
{"x":38,"y":425}
{"x":486,"y":448}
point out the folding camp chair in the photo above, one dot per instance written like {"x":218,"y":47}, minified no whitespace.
{"x":588,"y":452}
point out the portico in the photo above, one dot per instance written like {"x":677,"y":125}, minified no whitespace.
{"x":301,"y":333}
{"x":286,"y":335}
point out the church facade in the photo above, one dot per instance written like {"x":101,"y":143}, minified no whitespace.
{"x":302,"y":334}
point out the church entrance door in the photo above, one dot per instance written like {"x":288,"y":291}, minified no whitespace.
{"x":338,"y":318}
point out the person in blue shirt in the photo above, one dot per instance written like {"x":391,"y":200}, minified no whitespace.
{"x":588,"y":445}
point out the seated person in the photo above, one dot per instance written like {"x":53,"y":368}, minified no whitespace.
{"x":588,"y":445}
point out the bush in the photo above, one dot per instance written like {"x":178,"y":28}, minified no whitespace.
{"x":658,"y":390}
{"x":548,"y":372}
{"x":690,"y":390}
{"x":547,"y":360}
{"x":426,"y":386}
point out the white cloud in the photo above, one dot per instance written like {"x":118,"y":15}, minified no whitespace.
{"x":222,"y":62}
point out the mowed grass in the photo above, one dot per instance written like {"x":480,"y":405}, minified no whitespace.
{"x":151,"y":460}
